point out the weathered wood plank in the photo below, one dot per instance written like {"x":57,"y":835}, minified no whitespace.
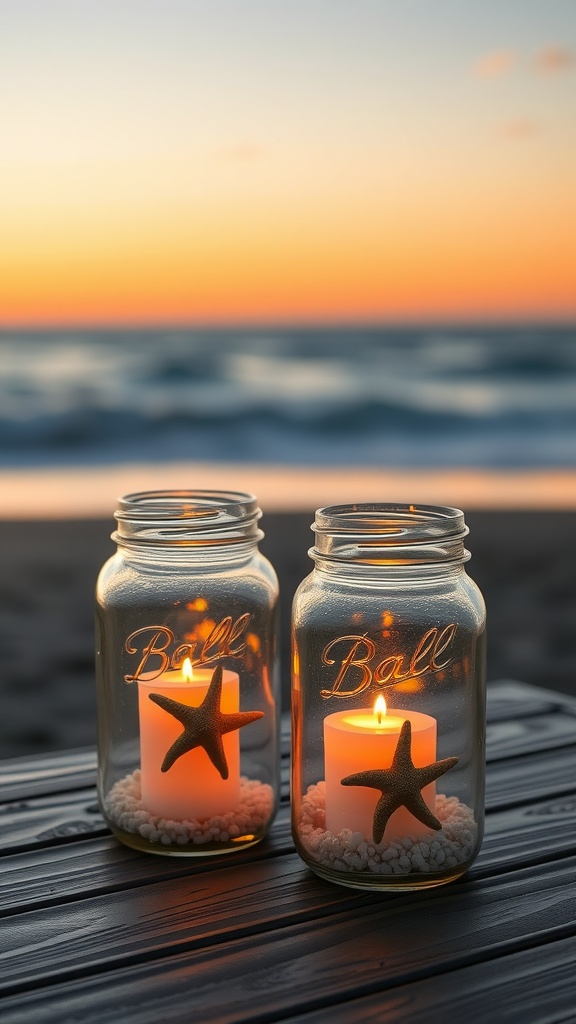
{"x":55,"y":817}
{"x":511,"y":699}
{"x":65,"y":772}
{"x":199,"y":909}
{"x":45,"y":820}
{"x":24,"y":779}
{"x":515,"y":837}
{"x":48,"y":876}
{"x":208,"y":908}
{"x":508,"y":700}
{"x":531,"y":778}
{"x":52,"y":773}
{"x":535,"y":985}
{"x":505,"y":739}
{"x":529,"y":834}
{"x":360,"y":945}
{"x":50,"y":820}
{"x":48,"y":773}
{"x":512,"y":707}
{"x":168,"y":939}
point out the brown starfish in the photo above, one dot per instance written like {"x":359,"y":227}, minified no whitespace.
{"x":400,"y":785}
{"x":204,"y":726}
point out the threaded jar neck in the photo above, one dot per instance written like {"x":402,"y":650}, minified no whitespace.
{"x":190,"y":518}
{"x":389,"y":536}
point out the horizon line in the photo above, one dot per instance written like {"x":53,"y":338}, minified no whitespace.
{"x":296,"y":324}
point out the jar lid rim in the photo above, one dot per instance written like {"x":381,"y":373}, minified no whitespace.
{"x":184,"y":504}
{"x":187,"y":517}
{"x":388,"y":518}
{"x":376,"y":508}
{"x":389,"y":534}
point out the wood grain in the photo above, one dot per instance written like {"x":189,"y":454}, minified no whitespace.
{"x":358,"y":944}
{"x":94,"y":932}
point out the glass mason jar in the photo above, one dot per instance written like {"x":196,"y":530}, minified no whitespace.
{"x":388,"y":699}
{"x":187,"y":675}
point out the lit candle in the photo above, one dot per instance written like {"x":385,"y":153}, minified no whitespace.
{"x":359,"y":741}
{"x":192,"y":788}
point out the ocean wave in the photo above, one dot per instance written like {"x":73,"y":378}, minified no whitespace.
{"x":412,"y":397}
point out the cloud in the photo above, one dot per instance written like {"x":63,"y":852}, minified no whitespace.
{"x":519,"y":128}
{"x":553,"y":60}
{"x":495,"y":64}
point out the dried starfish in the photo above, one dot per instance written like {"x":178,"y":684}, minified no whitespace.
{"x":204,"y":726}
{"x":400,"y":785}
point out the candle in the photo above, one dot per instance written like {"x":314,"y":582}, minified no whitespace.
{"x":191,"y":788}
{"x":359,"y":741}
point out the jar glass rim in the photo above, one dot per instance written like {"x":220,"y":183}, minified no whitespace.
{"x":187,"y":516}
{"x":390,"y":533}
{"x":376,"y":517}
{"x":183,"y":504}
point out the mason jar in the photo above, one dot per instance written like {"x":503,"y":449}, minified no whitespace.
{"x":388,"y":699}
{"x":187,"y":675}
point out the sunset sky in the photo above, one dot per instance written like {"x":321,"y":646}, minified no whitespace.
{"x":213,"y":161}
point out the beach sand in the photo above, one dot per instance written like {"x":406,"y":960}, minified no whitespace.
{"x":78,"y":492}
{"x":523,"y":559}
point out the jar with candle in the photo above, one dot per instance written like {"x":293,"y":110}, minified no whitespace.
{"x":187,"y":675}
{"x":388,"y":699}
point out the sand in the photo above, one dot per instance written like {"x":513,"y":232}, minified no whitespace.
{"x":523,"y":559}
{"x":86,"y":492}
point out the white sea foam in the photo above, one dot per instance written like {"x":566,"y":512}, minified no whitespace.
{"x":331,"y":396}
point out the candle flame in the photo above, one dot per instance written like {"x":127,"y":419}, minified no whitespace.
{"x":379,"y":708}
{"x":187,"y":670}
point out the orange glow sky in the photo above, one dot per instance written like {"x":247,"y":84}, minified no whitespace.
{"x":178,"y":161}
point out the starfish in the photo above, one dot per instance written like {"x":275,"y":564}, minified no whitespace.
{"x":401,"y":784}
{"x":204,"y":726}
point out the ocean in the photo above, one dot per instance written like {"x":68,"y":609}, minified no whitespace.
{"x":431,"y":396}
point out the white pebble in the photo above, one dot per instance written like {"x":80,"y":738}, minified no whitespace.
{"x":351,"y":851}
{"x":125,"y":810}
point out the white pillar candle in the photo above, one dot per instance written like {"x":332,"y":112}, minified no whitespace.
{"x":192,"y":788}
{"x":358,"y":741}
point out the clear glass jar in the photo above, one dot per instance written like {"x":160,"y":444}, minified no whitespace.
{"x":187,"y":675}
{"x":388,"y":699}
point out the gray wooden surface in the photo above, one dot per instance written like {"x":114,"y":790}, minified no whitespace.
{"x":91,"y":931}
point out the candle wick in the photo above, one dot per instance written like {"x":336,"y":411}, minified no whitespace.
{"x":379,"y":718}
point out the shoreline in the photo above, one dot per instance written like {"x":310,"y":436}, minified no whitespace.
{"x":88,"y":493}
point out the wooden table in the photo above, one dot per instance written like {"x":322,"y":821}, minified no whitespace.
{"x":95,"y":932}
